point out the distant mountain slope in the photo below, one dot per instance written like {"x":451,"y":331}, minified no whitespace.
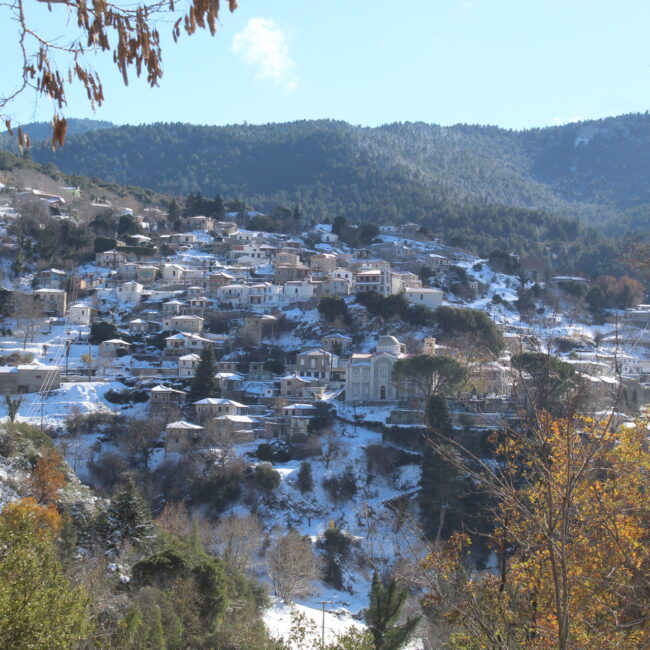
{"x":595,"y":170}
{"x":42,"y":131}
{"x":482,"y":187}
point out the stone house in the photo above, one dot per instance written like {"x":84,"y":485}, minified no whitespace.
{"x":112,"y":258}
{"x":212,"y":407}
{"x":163,"y":399}
{"x":52,"y":279}
{"x":316,"y":364}
{"x":183,"y":436}
{"x":184,"y":323}
{"x":291,"y":386}
{"x":297,"y":418}
{"x":198,"y":222}
{"x":337,"y":343}
{"x":138,"y":326}
{"x":53,"y":302}
{"x":171,"y":307}
{"x":289,"y":273}
{"x":323,"y":262}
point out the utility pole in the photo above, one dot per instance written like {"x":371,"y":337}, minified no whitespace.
{"x":323,"y":603}
{"x":68,"y":342}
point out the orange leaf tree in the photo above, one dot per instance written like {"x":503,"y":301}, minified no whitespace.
{"x":48,"y":477}
{"x":39,"y":608}
{"x":571,"y":535}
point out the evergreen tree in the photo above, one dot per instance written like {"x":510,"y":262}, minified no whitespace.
{"x":386,"y":602}
{"x":440,"y":481}
{"x":204,"y":383}
{"x":305,"y":480}
{"x":130,"y":516}
{"x":173,"y":211}
{"x":219,"y":211}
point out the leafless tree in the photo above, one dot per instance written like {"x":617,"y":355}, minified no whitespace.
{"x":331,"y":449}
{"x":223,"y":439}
{"x":239,"y":540}
{"x":27,"y":313}
{"x":292,"y":566}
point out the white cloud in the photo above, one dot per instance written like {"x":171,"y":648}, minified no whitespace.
{"x":263,"y":44}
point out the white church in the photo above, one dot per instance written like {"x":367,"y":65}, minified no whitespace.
{"x":369,"y":376}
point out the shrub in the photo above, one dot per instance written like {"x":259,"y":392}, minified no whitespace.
{"x":277,"y":451}
{"x":342,"y":487}
{"x":127,"y":396}
{"x":102,"y":331}
{"x":266,"y":477}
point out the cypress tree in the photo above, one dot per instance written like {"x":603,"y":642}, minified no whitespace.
{"x":386,"y":602}
{"x":204,"y":383}
{"x":130,"y":516}
{"x":305,"y":480}
{"x":441,"y":485}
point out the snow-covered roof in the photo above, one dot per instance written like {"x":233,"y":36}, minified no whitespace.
{"x":182,"y":424}
{"x":219,"y":401}
{"x":314,"y":352}
{"x":297,"y":378}
{"x":166,"y":389}
{"x":234,"y":376}
{"x":241,"y":419}
{"x":116,"y":342}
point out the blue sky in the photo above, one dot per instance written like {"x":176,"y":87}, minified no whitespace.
{"x":513,"y":63}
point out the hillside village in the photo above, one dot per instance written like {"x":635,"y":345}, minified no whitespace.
{"x":306,"y":340}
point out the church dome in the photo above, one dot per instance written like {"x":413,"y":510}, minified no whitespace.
{"x":389,"y":344}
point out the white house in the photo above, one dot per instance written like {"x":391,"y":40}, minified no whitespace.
{"x":187,"y":364}
{"x":264,"y":294}
{"x":431,"y":298}
{"x":323,"y":231}
{"x":173,"y":273}
{"x":79,"y":314}
{"x":235,"y":294}
{"x":113,"y":347}
{"x":297,"y":291}
{"x":130,"y":292}
{"x":183,"y":343}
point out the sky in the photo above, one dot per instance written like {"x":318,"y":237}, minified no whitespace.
{"x":512,"y":63}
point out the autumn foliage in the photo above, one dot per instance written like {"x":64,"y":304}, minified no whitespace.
{"x":47,"y":477}
{"x":571,"y":539}
{"x":26,"y":514}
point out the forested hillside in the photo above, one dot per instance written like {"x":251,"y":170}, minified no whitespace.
{"x":594,"y":170}
{"x":477,"y":187}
